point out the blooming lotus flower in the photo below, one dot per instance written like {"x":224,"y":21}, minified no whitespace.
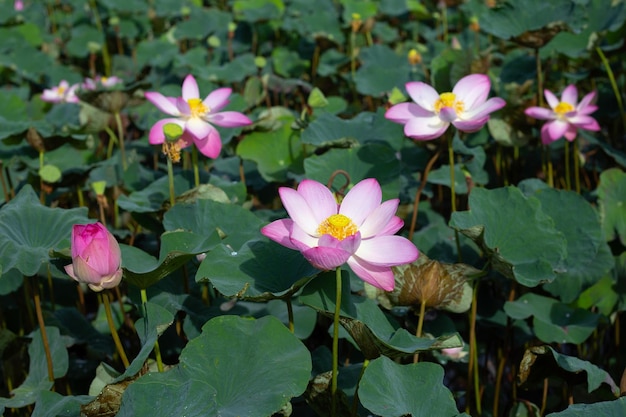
{"x":195,"y":116}
{"x":359,"y":231}
{"x":18,"y":5}
{"x":430,"y":113}
{"x":61,"y":93}
{"x":96,"y":257}
{"x":566,"y":115}
{"x":107,"y":82}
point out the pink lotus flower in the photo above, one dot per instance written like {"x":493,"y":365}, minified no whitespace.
{"x":107,"y":82}
{"x":566,"y":115}
{"x":359,"y":231}
{"x":18,"y":5}
{"x":430,"y":114}
{"x":61,"y":93}
{"x":195,"y":117}
{"x":96,"y":257}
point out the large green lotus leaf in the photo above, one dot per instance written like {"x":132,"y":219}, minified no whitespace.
{"x":372,"y":160}
{"x":588,"y":256}
{"x":236,"y":70}
{"x":37,"y":378}
{"x":540,"y":362}
{"x":543,"y":19}
{"x":252,"y":272}
{"x":442,"y":176}
{"x":285,"y":155}
{"x":364,"y":8}
{"x":28,"y":231}
{"x":612,"y":204}
{"x":236,"y":367}
{"x":156,"y":52}
{"x":256,"y":10}
{"x":201,"y":23}
{"x":521,"y":240}
{"x":177,"y":248}
{"x":235,"y":224}
{"x":313,"y":20}
{"x":373,"y":331}
{"x":553,"y":321}
{"x":151,"y":198}
{"x":11,"y":281}
{"x":388,"y":389}
{"x":287,"y":63}
{"x":328,"y":130}
{"x":615,"y":408}
{"x":600,"y":296}
{"x":82,"y":37}
{"x":375,"y":79}
{"x":125,"y":6}
{"x":54,"y":404}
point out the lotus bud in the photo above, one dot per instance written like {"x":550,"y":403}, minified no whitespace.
{"x":96,"y":257}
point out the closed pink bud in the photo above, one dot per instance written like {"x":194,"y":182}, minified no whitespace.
{"x":96,"y":257}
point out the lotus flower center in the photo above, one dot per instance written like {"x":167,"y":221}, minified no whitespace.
{"x":61,"y":90}
{"x":563,"y":108}
{"x":197,"y":107}
{"x":449,"y":100}
{"x":338,"y":226}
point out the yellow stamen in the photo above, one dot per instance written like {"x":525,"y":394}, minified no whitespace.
{"x":172,"y":151}
{"x":338,"y":226}
{"x":61,"y":90}
{"x":563,"y":108}
{"x":197,"y":107}
{"x":449,"y":100}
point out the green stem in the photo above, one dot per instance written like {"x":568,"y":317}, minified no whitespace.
{"x":42,"y":327}
{"x":355,"y":401}
{"x":576,"y":166}
{"x":170,"y":175}
{"x":106,"y":58}
{"x":546,"y":150}
{"x":616,"y":91}
{"x":292,"y":328}
{"x":157,"y":349}
{"x":420,"y":326}
{"x":113,"y":329}
{"x":112,"y":141}
{"x":120,"y":138}
{"x":568,"y":184}
{"x":196,"y":169}
{"x":333,"y":384}
{"x":453,"y":194}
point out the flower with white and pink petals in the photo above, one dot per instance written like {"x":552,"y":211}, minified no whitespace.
{"x":359,"y":231}
{"x":566,"y":115}
{"x":18,"y":5}
{"x":106,"y":82}
{"x":430,"y":113}
{"x":63,"y":93}
{"x":196,"y":116}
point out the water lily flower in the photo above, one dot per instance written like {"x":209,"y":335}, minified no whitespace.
{"x":430,"y":113}
{"x":61,"y":93}
{"x":196,"y":117}
{"x":96,"y":257}
{"x":359,"y":231}
{"x":18,"y":5}
{"x":107,"y":82}
{"x":565,"y":116}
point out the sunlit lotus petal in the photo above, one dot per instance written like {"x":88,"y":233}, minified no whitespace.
{"x":359,"y":231}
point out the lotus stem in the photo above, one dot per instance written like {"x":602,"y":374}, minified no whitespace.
{"x":170,"y":175}
{"x":42,"y":328}
{"x":120,"y":138}
{"x":616,"y":90}
{"x":418,"y":193}
{"x":576,"y":166}
{"x":355,"y":400}
{"x":568,"y":183}
{"x":453,"y":194}
{"x":292,"y":328}
{"x":333,"y":384}
{"x":420,"y":325}
{"x":196,"y":169}
{"x":113,"y":329}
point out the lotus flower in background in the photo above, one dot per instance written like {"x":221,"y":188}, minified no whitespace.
{"x":18,"y":5}
{"x":63,"y":93}
{"x":196,"y":117}
{"x":96,"y":257}
{"x":107,"y":82}
{"x":565,"y":116}
{"x":359,"y":231}
{"x":430,"y":113}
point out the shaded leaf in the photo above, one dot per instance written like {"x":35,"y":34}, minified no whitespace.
{"x":612,"y":204}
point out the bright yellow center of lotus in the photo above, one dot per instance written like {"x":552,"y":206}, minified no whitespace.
{"x":449,"y":100}
{"x":563,"y":108}
{"x":61,"y":90}
{"x":103,"y":80}
{"x":338,"y":226}
{"x":197,"y":107}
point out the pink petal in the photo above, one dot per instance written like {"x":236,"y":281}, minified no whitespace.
{"x":108,"y":282}
{"x":387,"y":250}
{"x":326,"y":258}
{"x":472,"y":90}
{"x":551,"y":99}
{"x":557,"y":128}
{"x":546,"y":139}
{"x":280,"y":231}
{"x":162,"y":103}
{"x":319,"y":198}
{"x":156,"y":135}
{"x":480,"y":112}
{"x":585,"y":122}
{"x":403,"y":112}
{"x":392,"y":227}
{"x":470,"y":125}
{"x":302,"y":240}
{"x":190,"y":88}
{"x":299,"y":210}
{"x":361,"y":200}
{"x":85,"y":273}
{"x":540,"y":113}
{"x":570,"y":95}
{"x":70,"y":271}
{"x":570,"y":133}
{"x":585,"y":106}
{"x":379,"y":218}
{"x":378,"y":276}
{"x":217,"y":99}
{"x":198,"y":128}
{"x":229,"y":119}
{"x":422,"y":94}
{"x":423,"y":128}
{"x":349,"y":244}
{"x":211,"y":145}
{"x":183,"y":106}
{"x":448,"y":114}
